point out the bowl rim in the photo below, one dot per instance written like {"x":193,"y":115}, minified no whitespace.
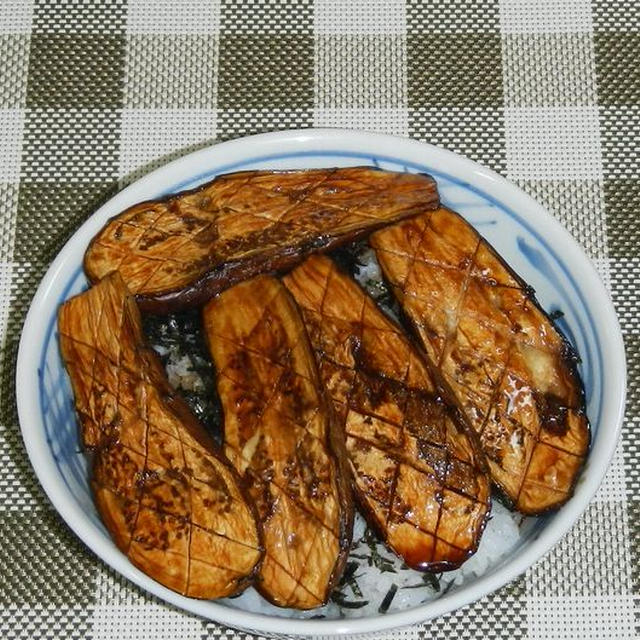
{"x":606,"y":322}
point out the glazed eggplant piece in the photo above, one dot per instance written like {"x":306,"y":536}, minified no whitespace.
{"x":281,"y":436}
{"x":180,"y":251}
{"x":512,"y":371}
{"x":418,"y":472}
{"x":171,"y":503}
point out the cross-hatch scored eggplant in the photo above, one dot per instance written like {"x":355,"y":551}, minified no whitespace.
{"x":512,"y":372}
{"x":180,"y":251}
{"x":280,"y":436}
{"x":322,"y":393}
{"x":417,"y":470}
{"x":172,"y":505}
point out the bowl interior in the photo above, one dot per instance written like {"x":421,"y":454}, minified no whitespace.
{"x":537,"y":256}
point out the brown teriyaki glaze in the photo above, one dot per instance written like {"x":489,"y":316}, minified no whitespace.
{"x":417,"y":470}
{"x":171,"y":503}
{"x":513,"y":373}
{"x":282,"y":437}
{"x":180,"y":251}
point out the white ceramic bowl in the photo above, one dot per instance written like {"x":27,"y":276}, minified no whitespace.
{"x":531,"y":240}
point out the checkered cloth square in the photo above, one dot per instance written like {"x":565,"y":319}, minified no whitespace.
{"x":95,"y":93}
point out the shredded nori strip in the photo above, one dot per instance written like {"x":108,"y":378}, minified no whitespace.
{"x":428,"y":579}
{"x":341,"y":600}
{"x":432,"y":580}
{"x":348,"y":257}
{"x":349,"y":578}
{"x":348,"y":573}
{"x":380,"y":562}
{"x":181,"y":333}
{"x":351,"y":258}
{"x":382,"y":294}
{"x":386,"y":602}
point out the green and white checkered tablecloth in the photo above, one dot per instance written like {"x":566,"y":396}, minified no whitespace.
{"x":95,"y":93}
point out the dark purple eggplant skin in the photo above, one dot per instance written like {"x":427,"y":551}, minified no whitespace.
{"x":216,"y":271}
{"x":232,"y":272}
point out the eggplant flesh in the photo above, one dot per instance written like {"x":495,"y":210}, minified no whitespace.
{"x":171,"y":503}
{"x":180,"y":251}
{"x":280,"y":434}
{"x":513,"y":373}
{"x":417,"y":470}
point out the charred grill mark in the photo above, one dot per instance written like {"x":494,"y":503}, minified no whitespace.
{"x":510,"y":368}
{"x":441,"y":472}
{"x":553,"y":413}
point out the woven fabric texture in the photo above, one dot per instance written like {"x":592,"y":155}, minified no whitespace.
{"x":95,"y":93}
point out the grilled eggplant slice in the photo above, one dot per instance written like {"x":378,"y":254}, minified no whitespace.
{"x":171,"y":503}
{"x":281,"y":435}
{"x":418,"y":471}
{"x":181,"y":251}
{"x":512,"y":371}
